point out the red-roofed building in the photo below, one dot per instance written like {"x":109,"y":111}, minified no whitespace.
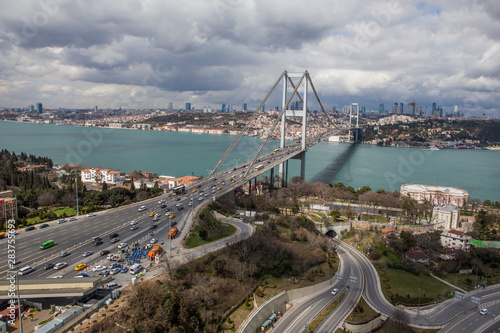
{"x":186,"y":180}
{"x":455,"y":239}
{"x":109,"y":176}
{"x":416,"y":255}
{"x":388,"y":231}
{"x":31,"y":168}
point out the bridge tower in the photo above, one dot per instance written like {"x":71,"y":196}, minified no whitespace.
{"x":353,"y":115}
{"x":288,"y":78}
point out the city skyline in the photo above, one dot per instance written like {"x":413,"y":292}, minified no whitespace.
{"x":148,"y":55}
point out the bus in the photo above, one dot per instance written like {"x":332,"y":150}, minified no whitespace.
{"x":259,"y":167}
{"x":47,"y":244}
{"x":181,"y":189}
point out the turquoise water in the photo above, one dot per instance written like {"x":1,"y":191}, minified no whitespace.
{"x":179,"y":154}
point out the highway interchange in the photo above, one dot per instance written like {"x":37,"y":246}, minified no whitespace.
{"x":457,"y":315}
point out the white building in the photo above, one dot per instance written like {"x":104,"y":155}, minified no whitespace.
{"x":109,"y":176}
{"x":456,"y":240}
{"x":436,"y":195}
{"x":446,"y":217}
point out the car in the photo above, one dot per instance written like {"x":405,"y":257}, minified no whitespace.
{"x":79,"y":267}
{"x":98,"y":242}
{"x":91,"y":215}
{"x":219,"y":188}
{"x":161,"y":201}
{"x":113,"y":265}
{"x":190,"y":203}
{"x":30,"y":228}
{"x":483,"y":312}
{"x":115,"y":271}
{"x":198,"y":186}
{"x":104,"y":272}
{"x":171,"y":216}
{"x":173,"y":223}
{"x":48,"y":265}
{"x":232,"y":180}
{"x":195,"y":190}
{"x":177,"y":199}
{"x":87,"y":253}
{"x":180,"y":203}
{"x":335,"y":291}
{"x":154,"y":226}
{"x":60,"y":265}
{"x":61,"y":221}
{"x":99,"y":268}
{"x":81,"y":275}
{"x":201,"y":198}
{"x":213,"y":191}
{"x":153,"y":240}
{"x":96,"y":238}
{"x":122,"y":245}
{"x":180,"y":207}
{"x":134,"y":222}
{"x":115,"y":240}
{"x":156,"y":218}
{"x":142,"y":208}
{"x":104,"y":252}
{"x":134,"y":227}
{"x":57,"y":277}
{"x":45,"y":225}
{"x":163,"y":206}
{"x":152,"y":214}
{"x":113,"y":235}
{"x":64,"y":254}
{"x":72,"y":219}
{"x":148,"y":246}
{"x":124,"y":269}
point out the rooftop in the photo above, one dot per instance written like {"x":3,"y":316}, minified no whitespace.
{"x":447,"y":208}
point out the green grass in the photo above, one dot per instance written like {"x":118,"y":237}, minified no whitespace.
{"x":397,"y":284}
{"x":367,"y":314}
{"x":194,"y":239}
{"x":69,"y":211}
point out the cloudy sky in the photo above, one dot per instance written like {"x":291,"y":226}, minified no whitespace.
{"x":141,"y":54}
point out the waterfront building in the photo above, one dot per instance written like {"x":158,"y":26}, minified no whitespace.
{"x":108,"y":176}
{"x":8,"y":205}
{"x":436,"y":195}
{"x":446,"y":217}
{"x":115,"y":125}
{"x":455,"y":239}
{"x":39,"y":108}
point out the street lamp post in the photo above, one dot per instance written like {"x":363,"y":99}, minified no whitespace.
{"x":77,"y":207}
{"x":169,"y":234}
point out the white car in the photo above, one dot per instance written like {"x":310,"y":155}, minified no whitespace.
{"x":60,"y":265}
{"x":133,"y":222}
{"x":122,"y":245}
{"x":335,"y":291}
{"x":142,"y":208}
{"x":99,"y":268}
{"x":134,"y":227}
{"x":87,"y":253}
{"x":483,"y":312}
{"x":161,"y":201}
{"x":153,"y":240}
{"x":91,"y":215}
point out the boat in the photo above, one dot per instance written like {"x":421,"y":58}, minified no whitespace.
{"x":492,"y":147}
{"x":434,"y":148}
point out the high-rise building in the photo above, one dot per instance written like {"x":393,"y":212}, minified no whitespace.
{"x":170,"y":106}
{"x":39,"y":108}
{"x":363,"y":109}
{"x":438,"y":112}
{"x":188,"y":106}
{"x":433,"y":107}
{"x":381,"y":108}
{"x":223,"y":108}
{"x":419,"y":110}
{"x":395,"y":108}
{"x":426,"y":110}
{"x":412,"y":107}
{"x":245,"y":107}
{"x":400,"y":108}
{"x":31,"y":108}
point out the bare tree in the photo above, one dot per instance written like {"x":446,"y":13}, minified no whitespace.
{"x":46,"y":198}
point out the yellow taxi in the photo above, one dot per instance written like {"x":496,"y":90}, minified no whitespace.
{"x":195,"y":190}
{"x":171,"y":216}
{"x":219,"y":188}
{"x":232,"y":180}
{"x":80,"y":267}
{"x":152,"y":214}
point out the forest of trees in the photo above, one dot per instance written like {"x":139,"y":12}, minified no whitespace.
{"x":10,"y":176}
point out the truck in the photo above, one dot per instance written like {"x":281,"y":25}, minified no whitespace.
{"x":114,"y":257}
{"x":154,"y":251}
{"x":173,"y":232}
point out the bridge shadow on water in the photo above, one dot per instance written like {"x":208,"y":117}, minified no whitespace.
{"x":329,"y":173}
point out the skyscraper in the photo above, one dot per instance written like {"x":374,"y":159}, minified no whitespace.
{"x":412,"y":107}
{"x":400,"y":108}
{"x":433,"y":107}
{"x":170,"y":106}
{"x":223,"y":108}
{"x":395,"y":108}
{"x":31,"y":108}
{"x":39,"y":108}
{"x":381,"y":108}
{"x":245,"y":107}
{"x":188,"y":106}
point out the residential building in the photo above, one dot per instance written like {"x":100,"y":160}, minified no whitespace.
{"x":446,"y":217}
{"x":436,"y":195}
{"x":455,"y":239}
{"x":186,"y":180}
{"x":109,"y":176}
{"x":8,"y":205}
